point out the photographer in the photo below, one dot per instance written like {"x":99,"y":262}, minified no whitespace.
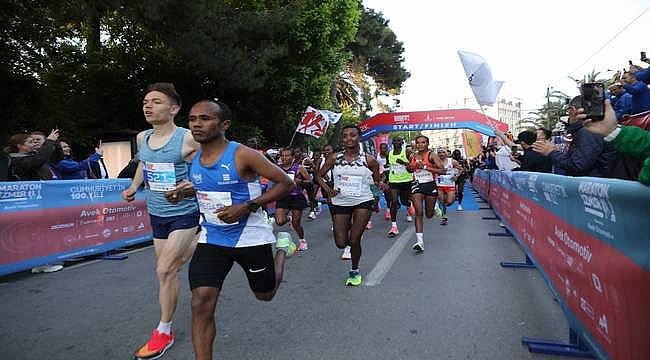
{"x":629,"y":140}
{"x":68,"y":168}
{"x":588,"y":154}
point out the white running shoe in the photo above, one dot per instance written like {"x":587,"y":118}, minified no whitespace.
{"x":460,"y":208}
{"x":46,"y":269}
{"x":418,"y":246}
{"x":312,"y":215}
{"x":346,"y":254}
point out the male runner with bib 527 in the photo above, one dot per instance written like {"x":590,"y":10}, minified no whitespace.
{"x":165,"y":152}
{"x":225,"y":177}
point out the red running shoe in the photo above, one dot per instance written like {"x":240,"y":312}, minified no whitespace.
{"x":156,"y":346}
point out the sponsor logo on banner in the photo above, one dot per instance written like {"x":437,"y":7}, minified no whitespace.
{"x":553,"y":192}
{"x":13,"y":193}
{"x":92,"y":191}
{"x":595,"y":198}
{"x":401,"y":119}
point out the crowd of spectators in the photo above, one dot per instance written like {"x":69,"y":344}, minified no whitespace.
{"x":615,"y":147}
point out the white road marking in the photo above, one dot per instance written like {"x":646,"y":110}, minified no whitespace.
{"x":386,"y":262}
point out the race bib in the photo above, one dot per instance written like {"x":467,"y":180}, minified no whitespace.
{"x":423,"y":176}
{"x":350,"y":185}
{"x":398,"y":169}
{"x":160,"y":176}
{"x":445,"y":180}
{"x":211,"y":201}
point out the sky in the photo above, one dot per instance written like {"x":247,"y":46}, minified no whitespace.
{"x":528,"y":44}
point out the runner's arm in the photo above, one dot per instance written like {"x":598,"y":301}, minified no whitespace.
{"x":305,"y":178}
{"x":435,"y":159}
{"x":327,"y":166}
{"x":373,"y":165}
{"x":257,"y":164}
{"x":138,"y":177}
{"x":190,"y":147}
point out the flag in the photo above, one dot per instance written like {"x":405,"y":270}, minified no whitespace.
{"x":314,"y":122}
{"x":472,"y":143}
{"x":479,"y":75}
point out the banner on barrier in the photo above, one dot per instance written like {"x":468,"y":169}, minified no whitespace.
{"x":47,"y":221}
{"x":589,"y":238}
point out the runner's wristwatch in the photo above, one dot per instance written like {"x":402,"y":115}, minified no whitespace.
{"x":252,"y":206}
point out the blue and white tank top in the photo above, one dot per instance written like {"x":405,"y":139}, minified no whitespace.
{"x":353,"y":179}
{"x":163,"y":168}
{"x":219,"y":185}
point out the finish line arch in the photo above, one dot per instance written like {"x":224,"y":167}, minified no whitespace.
{"x":430,"y":120}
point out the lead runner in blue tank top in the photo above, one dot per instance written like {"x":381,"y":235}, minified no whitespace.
{"x":225,"y":178}
{"x":352,"y":198}
{"x":165,"y":152}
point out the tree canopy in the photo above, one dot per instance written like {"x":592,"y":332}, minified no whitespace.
{"x":82,"y":65}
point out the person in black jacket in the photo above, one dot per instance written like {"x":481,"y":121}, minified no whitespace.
{"x":588,"y":154}
{"x":531,"y":160}
{"x":28,"y":163}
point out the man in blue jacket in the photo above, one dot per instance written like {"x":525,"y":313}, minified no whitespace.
{"x":588,"y":155}
{"x":621,"y":100}
{"x":639,"y":91}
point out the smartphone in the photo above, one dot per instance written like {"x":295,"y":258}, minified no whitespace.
{"x":593,"y":100}
{"x":630,"y":62}
{"x":643,"y":57}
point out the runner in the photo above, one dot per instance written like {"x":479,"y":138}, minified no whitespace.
{"x":424,"y":165}
{"x":165,"y":152}
{"x":399,"y":180}
{"x":352,"y":200}
{"x":310,"y":187}
{"x":382,"y":159}
{"x":447,"y":182}
{"x":225,"y":176}
{"x":462,"y":177}
{"x":294,"y":202}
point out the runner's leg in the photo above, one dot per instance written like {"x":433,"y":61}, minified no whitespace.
{"x":417,"y":200}
{"x":361,"y":217}
{"x":342,"y":230}
{"x":281,"y":217}
{"x":430,"y":205}
{"x":296,"y":219}
{"x":204,"y":302}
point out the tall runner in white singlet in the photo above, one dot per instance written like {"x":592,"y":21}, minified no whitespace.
{"x":165,"y":152}
{"x":447,"y":182}
{"x":225,"y":177}
{"x":424,"y":165}
{"x":352,"y":199}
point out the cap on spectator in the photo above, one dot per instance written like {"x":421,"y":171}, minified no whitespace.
{"x":526,"y":137}
{"x":272,"y":152}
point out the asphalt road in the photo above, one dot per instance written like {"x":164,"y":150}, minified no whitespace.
{"x":453,"y":301}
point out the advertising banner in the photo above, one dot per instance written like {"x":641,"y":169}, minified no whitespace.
{"x":589,"y":238}
{"x":43,"y":222}
{"x":430,"y":120}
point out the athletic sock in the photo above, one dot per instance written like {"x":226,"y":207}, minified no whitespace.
{"x":420,"y":237}
{"x":394,"y":223}
{"x":354,"y":270}
{"x":165,"y":328}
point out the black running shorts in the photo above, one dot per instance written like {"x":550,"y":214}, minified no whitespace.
{"x":338,"y":209}
{"x":211,"y":263}
{"x":428,"y":188}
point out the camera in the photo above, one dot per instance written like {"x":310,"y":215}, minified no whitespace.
{"x":593,"y":100}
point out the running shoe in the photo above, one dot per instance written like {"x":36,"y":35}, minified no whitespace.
{"x":302,"y":246}
{"x":354,"y":279}
{"x":369,"y":225}
{"x":285,"y":244}
{"x":393,"y":231}
{"x":444,"y":221}
{"x":387,"y":214}
{"x":418,"y":246}
{"x":346,"y":254}
{"x":460,"y":207}
{"x":311,"y":216}
{"x":46,"y":269}
{"x":156,"y":346}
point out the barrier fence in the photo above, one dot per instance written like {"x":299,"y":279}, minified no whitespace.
{"x":44,"y":222}
{"x":590,"y":240}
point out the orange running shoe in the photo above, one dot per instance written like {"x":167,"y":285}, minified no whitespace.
{"x":156,"y":346}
